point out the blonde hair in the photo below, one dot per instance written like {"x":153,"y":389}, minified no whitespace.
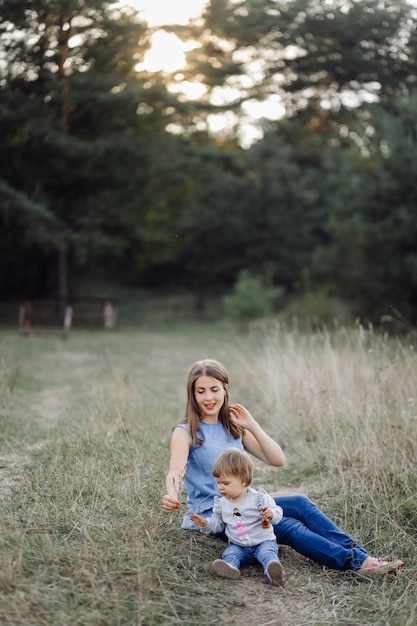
{"x":193,"y":415}
{"x":234,"y":462}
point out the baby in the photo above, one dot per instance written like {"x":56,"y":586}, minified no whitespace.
{"x":245,"y":516}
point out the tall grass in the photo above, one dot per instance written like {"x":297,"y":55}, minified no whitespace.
{"x":345,"y":406}
{"x":85,"y":428}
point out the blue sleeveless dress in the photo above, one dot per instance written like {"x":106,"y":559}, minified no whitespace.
{"x":200,"y":484}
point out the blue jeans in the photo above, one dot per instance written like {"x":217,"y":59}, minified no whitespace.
{"x":311,"y":533}
{"x":243,"y":555}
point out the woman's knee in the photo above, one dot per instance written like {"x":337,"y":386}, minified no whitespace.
{"x":301,"y":500}
{"x":298,"y":501}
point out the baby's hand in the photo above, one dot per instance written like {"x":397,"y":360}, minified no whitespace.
{"x":198,"y":520}
{"x":267,"y":515}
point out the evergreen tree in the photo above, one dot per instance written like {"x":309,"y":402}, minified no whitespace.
{"x":370,"y":255}
{"x":75,"y":140}
{"x":321,"y":60}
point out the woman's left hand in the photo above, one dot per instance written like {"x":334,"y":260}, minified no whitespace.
{"x":241,"y":416}
{"x":255,"y":440}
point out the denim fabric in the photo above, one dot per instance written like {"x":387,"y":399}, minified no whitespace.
{"x":311,"y":533}
{"x":243,"y":555}
{"x":200,"y":484}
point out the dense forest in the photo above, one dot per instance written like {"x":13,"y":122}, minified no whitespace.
{"x":109,"y":170}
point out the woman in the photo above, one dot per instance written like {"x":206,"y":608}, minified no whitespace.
{"x":210,"y":426}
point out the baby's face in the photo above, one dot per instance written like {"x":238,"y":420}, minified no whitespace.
{"x":231,"y":487}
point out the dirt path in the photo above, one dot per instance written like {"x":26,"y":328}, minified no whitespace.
{"x":41,"y":400}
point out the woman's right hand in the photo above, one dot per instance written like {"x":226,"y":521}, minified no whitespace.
{"x":170,"y":504}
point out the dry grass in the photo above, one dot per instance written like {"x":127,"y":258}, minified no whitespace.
{"x":85,"y":427}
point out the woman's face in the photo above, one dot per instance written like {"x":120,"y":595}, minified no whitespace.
{"x":209,"y":393}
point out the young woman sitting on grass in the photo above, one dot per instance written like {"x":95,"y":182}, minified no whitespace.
{"x":209,"y":427}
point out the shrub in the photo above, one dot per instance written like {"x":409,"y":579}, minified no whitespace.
{"x":252,"y":298}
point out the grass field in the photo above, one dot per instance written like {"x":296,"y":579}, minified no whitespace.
{"x":85,"y":429}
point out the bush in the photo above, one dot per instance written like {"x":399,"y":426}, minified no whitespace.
{"x":252,"y":298}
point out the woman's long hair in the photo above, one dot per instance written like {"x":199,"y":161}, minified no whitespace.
{"x":193,"y":415}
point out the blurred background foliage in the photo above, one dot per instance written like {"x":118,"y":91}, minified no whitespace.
{"x":109,"y":173}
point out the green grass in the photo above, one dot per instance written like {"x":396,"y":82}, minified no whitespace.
{"x":85,"y":428}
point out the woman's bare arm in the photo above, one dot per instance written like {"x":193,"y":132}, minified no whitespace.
{"x":180,"y":447}
{"x":255,"y":439}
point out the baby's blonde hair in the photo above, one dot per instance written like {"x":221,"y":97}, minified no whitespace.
{"x":234,"y":462}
